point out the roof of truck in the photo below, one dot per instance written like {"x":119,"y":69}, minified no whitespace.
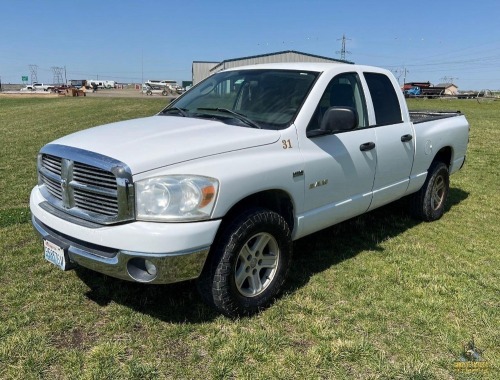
{"x":309,"y":66}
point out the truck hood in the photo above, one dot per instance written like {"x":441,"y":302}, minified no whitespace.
{"x":153,"y":142}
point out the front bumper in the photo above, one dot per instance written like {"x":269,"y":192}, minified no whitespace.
{"x":157,"y":253}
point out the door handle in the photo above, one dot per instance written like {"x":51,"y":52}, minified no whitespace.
{"x":367,"y":146}
{"x":406,"y":138}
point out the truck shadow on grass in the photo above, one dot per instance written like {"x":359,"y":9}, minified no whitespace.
{"x":321,"y":250}
{"x":312,"y":254}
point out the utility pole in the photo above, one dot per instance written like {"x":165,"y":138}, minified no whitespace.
{"x":398,"y":73}
{"x":401,"y":72}
{"x":343,"y":51}
{"x":405,"y":71}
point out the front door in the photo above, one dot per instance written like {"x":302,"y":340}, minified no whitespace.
{"x":339,"y":168}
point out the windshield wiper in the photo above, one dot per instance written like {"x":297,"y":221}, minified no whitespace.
{"x":181,"y":111}
{"x":237,"y":115}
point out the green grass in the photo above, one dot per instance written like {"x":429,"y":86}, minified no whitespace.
{"x":381,"y":296}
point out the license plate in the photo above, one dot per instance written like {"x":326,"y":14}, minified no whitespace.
{"x":55,"y":254}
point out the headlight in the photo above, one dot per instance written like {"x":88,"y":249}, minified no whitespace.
{"x":175,"y":198}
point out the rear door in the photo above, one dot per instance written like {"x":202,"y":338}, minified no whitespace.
{"x":339,"y":168}
{"x":394,"y":140}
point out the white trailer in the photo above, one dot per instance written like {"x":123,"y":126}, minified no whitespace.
{"x":101,"y":83}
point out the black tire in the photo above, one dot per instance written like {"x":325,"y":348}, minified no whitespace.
{"x":248,"y":263}
{"x":429,"y":202}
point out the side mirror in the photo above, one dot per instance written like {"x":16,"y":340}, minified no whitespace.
{"x":339,"y":119}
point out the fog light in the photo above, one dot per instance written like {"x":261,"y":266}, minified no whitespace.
{"x":141,"y":270}
{"x":150,"y":267}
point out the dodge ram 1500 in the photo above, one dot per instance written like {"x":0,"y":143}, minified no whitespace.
{"x":218,"y":185}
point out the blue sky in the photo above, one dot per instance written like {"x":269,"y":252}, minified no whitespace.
{"x":129,"y":40}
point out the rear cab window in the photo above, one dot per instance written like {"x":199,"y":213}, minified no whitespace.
{"x":385,"y":100}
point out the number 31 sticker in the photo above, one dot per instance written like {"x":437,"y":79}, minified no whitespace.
{"x":287,"y":144}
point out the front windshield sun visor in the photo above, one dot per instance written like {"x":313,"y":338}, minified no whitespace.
{"x":256,"y":98}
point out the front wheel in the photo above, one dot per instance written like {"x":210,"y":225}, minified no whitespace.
{"x":248,"y":264}
{"x":429,"y":202}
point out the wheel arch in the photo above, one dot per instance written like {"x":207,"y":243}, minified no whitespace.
{"x":275,"y":200}
{"x":444,"y":155}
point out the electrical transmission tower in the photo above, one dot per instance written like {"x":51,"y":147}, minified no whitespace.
{"x":447,"y":79}
{"x":58,"y":75}
{"x":33,"y":71}
{"x":343,"y":51}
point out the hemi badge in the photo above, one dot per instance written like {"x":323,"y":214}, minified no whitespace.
{"x":298,"y":173}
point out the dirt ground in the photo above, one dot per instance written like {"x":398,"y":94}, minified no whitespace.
{"x":101,"y":93}
{"x":124,"y":93}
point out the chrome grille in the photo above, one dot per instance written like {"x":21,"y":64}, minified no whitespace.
{"x":53,"y":187}
{"x":106,"y":205}
{"x":52,"y":164}
{"x":93,"y":176}
{"x":87,"y":185}
{"x":95,"y":189}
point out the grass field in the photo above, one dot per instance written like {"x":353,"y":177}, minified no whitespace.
{"x":378,"y":297}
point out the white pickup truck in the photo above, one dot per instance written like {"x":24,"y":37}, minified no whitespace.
{"x":38,"y":87}
{"x":218,"y":185}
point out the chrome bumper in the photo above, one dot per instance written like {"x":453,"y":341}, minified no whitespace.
{"x":153,"y":268}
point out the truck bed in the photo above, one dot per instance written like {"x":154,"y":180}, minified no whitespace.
{"x":424,"y":116}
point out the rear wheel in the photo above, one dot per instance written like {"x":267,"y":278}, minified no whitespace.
{"x":429,"y":202}
{"x":249,"y":263}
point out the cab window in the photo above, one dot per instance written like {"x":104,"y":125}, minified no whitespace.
{"x":343,"y":91}
{"x":384,"y":98}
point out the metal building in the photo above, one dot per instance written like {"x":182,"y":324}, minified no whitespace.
{"x":203,"y":69}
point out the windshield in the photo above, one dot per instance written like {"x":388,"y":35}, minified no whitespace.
{"x":260,"y":98}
